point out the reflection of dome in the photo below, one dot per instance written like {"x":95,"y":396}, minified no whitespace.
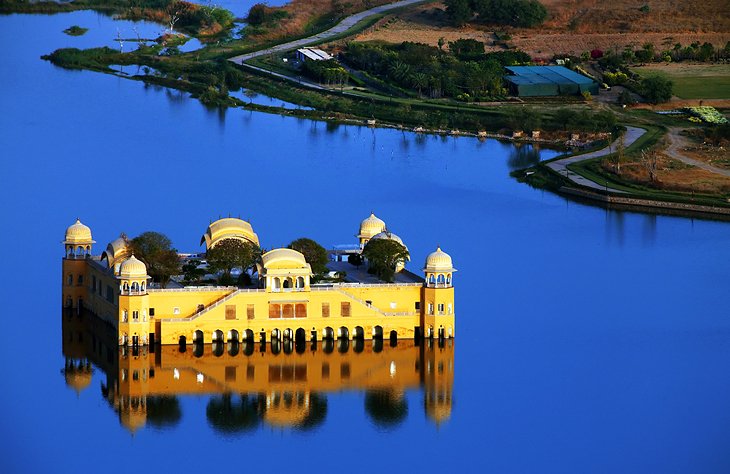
{"x":78,"y":378}
{"x":370,"y":227}
{"x":133,"y":268}
{"x":228,"y":228}
{"x":78,"y":233}
{"x":287,"y":409}
{"x":439,"y":261}
{"x":133,"y":419}
{"x":438,"y":412}
{"x":284,"y":258}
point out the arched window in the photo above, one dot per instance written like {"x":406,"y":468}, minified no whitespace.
{"x":79,"y":250}
{"x":70,"y":279}
{"x":142,"y":286}
{"x":276,"y":284}
{"x":432,"y":279}
{"x":448,"y":279}
{"x":287,"y":283}
{"x":80,"y":280}
{"x":125,"y":287}
{"x":135,"y":286}
{"x":300,"y":282}
{"x":441,"y":279}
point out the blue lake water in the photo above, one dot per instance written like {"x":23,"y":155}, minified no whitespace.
{"x":588,"y":340}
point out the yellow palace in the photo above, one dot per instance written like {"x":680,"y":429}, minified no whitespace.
{"x":285,"y":305}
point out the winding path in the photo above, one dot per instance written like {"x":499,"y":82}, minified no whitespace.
{"x":632,"y":134}
{"x":674,"y":150}
{"x":341,"y":27}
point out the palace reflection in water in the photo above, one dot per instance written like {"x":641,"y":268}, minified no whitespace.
{"x":282,"y":384}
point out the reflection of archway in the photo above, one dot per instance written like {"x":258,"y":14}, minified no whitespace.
{"x":198,"y":337}
{"x":343,"y":345}
{"x":328,"y":345}
{"x":232,"y":336}
{"x":378,"y":332}
{"x":358,"y":333}
{"x":181,"y":343}
{"x":358,"y":345}
{"x":328,"y":333}
{"x":393,"y":338}
{"x":378,"y":345}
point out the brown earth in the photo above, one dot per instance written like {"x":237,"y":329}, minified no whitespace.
{"x":575,"y":26}
{"x":302,"y":13}
{"x":673,"y":175}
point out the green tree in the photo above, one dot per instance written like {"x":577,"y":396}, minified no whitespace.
{"x":192,"y":272}
{"x":314,"y":254}
{"x":466,"y":48}
{"x":155,"y":250}
{"x":383,"y":255}
{"x":257,"y":14}
{"x":232,"y":253}
{"x":458,"y":11}
{"x":564,"y":117}
{"x":657,"y":88}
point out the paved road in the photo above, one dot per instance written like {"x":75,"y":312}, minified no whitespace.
{"x":674,"y":150}
{"x":632,"y":134}
{"x":344,"y":25}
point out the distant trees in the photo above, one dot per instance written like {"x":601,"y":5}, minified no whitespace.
{"x":523,"y":13}
{"x":656,"y":88}
{"x":155,"y":250}
{"x":329,"y":72}
{"x":232,"y":253}
{"x":383,"y":256}
{"x":468,"y":73}
{"x":314,"y":254}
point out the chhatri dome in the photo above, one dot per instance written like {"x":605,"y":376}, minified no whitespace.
{"x":370,"y":227}
{"x":228,"y":228}
{"x":439,"y":262}
{"x":78,"y":233}
{"x":389,"y":236}
{"x":133,"y":268}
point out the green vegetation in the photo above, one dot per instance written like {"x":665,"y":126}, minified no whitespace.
{"x":232,"y":253}
{"x":155,"y":250}
{"x":523,"y":13}
{"x":656,"y":88}
{"x":383,"y":256}
{"x":314,"y":254}
{"x":468,"y":74}
{"x":697,"y":81}
{"x":75,"y":30}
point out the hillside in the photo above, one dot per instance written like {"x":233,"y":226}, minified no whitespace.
{"x":575,"y":26}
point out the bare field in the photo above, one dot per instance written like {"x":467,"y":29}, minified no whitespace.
{"x":673,"y":175}
{"x":575,"y":26}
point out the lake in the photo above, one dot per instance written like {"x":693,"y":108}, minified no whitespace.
{"x":588,"y":340}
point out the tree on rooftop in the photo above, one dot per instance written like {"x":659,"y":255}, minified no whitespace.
{"x":155,"y":250}
{"x":383,"y":256}
{"x":232,"y":253}
{"x":314,"y":254}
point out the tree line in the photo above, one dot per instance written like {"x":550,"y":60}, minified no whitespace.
{"x":522,"y":13}
{"x":466,"y":72}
